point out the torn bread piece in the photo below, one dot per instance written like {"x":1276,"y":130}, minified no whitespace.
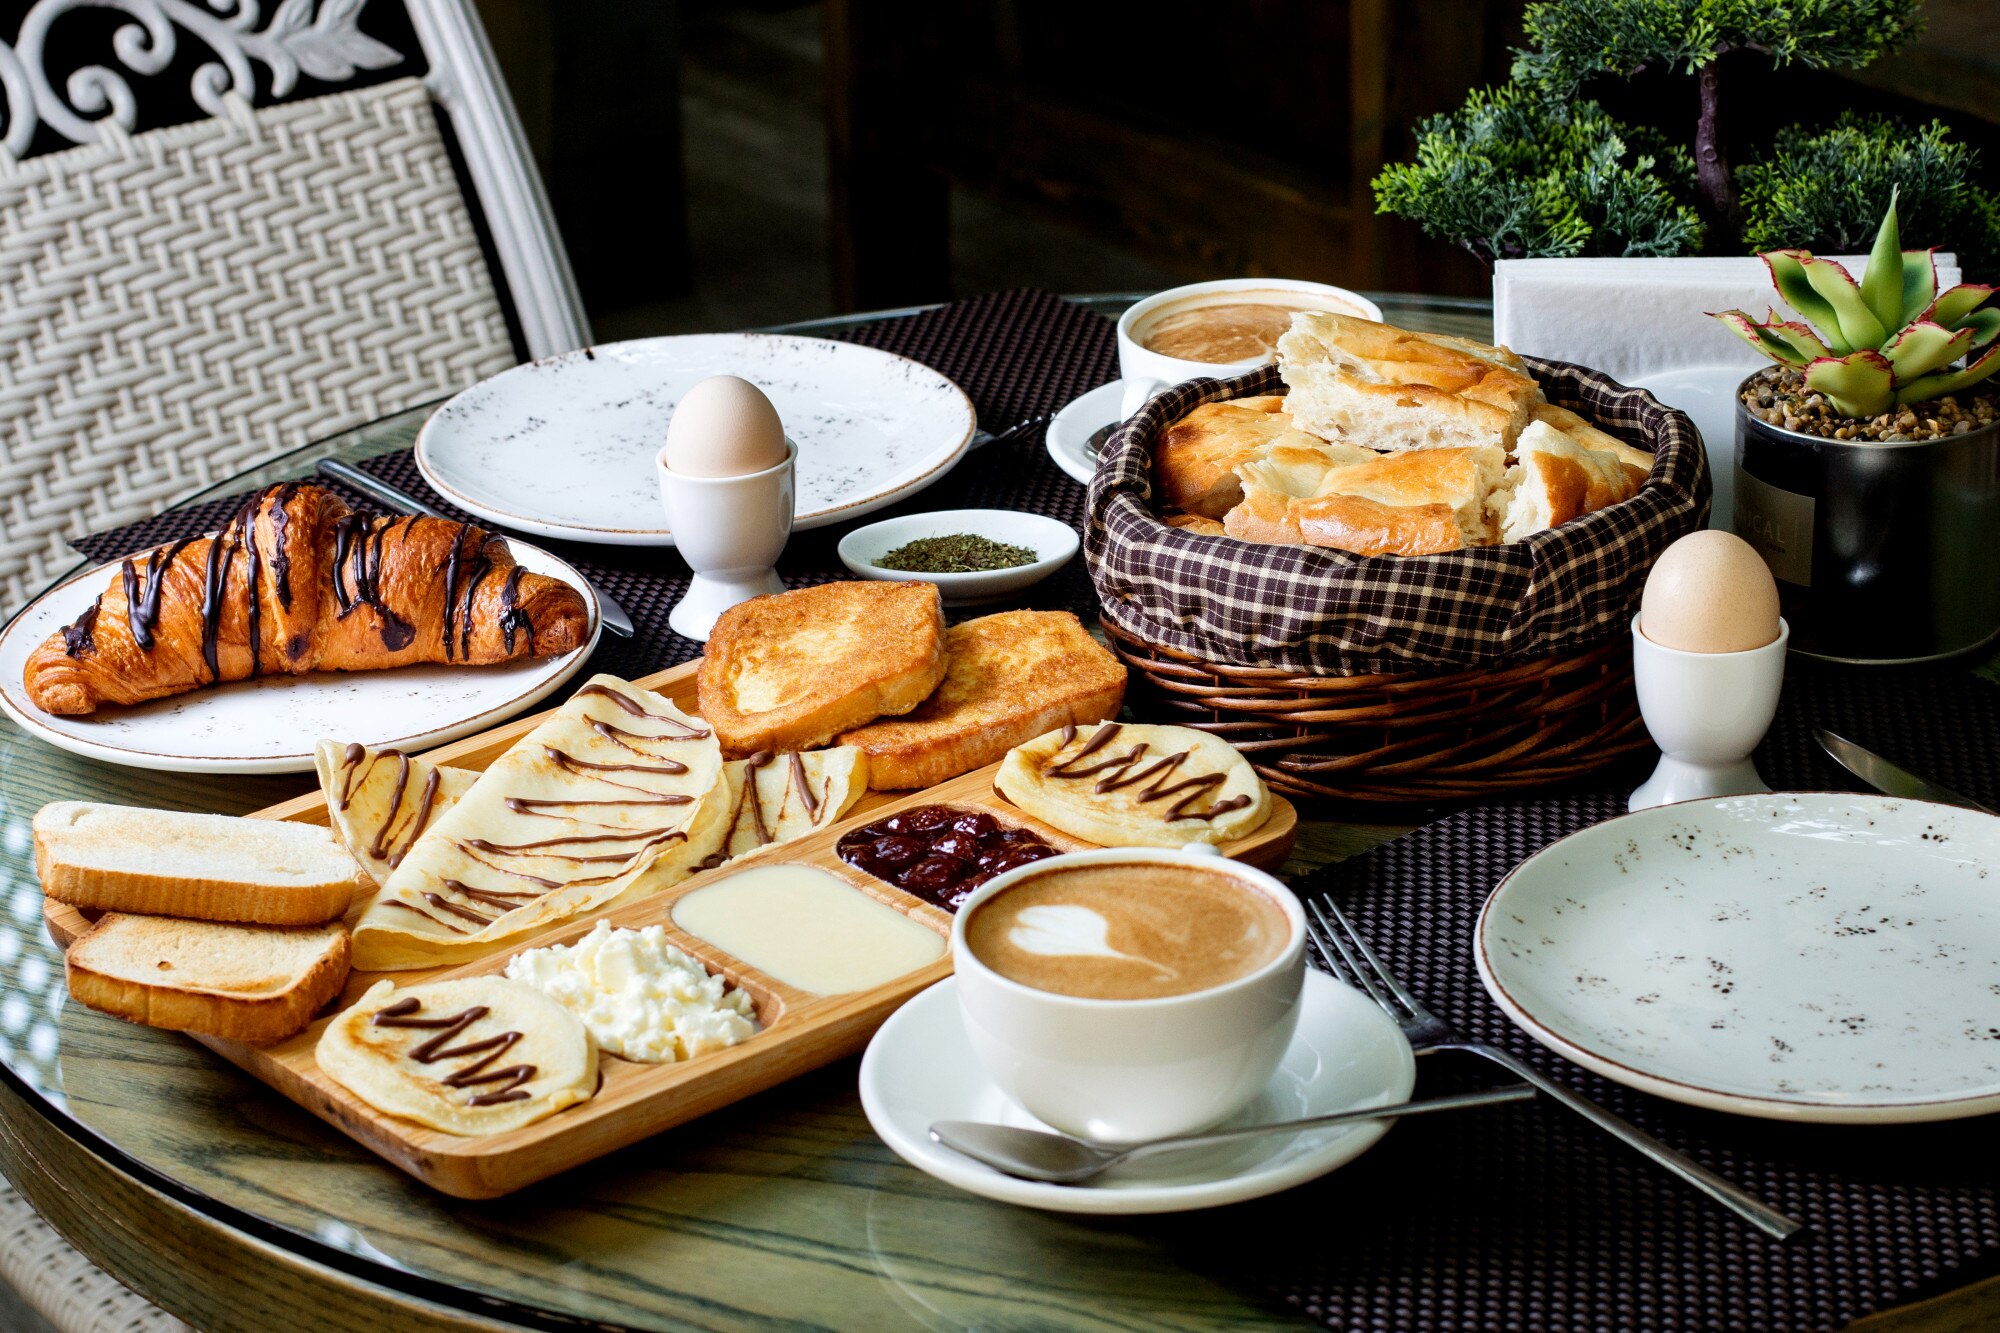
{"x":1415,"y":503}
{"x":1195,"y":462}
{"x":1359,"y":382}
{"x":616,"y":794}
{"x":1555,"y":479}
{"x":1196,"y":524}
{"x":381,"y":801}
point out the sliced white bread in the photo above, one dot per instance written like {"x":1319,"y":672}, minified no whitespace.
{"x":121,"y":858}
{"x":248,"y":983}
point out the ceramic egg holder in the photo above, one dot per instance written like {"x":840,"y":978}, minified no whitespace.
{"x":1706,"y":712}
{"x":730,"y":530}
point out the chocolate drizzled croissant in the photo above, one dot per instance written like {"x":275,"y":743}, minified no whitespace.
{"x":296,"y":582}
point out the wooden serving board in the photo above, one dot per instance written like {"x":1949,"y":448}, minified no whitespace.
{"x":799,"y":1031}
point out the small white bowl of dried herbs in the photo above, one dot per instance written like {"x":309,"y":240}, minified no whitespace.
{"x":973,"y":555}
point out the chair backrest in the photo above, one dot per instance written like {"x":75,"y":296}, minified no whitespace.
{"x":184,"y":302}
{"x":465,"y":80}
{"x":321,"y":49}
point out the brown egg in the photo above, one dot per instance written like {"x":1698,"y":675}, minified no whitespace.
{"x":1710,"y":593}
{"x":724,"y":427}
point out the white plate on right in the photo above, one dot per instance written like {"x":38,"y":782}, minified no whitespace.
{"x":1797,"y":956}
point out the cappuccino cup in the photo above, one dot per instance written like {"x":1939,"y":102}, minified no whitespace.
{"x":1127,"y":994}
{"x":1216,"y":328}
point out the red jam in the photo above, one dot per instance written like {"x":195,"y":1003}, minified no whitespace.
{"x":939,"y":853}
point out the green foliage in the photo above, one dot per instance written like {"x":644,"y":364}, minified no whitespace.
{"x":1889,"y":338}
{"x":1576,"y":40}
{"x":1819,"y":189}
{"x":1514,"y":175}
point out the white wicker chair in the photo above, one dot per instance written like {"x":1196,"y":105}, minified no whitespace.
{"x":179,"y":304}
{"x":182,"y":303}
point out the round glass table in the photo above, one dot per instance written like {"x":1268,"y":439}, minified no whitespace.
{"x":235,"y":1209}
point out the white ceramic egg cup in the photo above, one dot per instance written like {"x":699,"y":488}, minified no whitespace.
{"x":1706,"y":712}
{"x":731,"y":531}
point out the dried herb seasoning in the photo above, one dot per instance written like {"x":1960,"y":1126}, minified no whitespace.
{"x":959,"y":553}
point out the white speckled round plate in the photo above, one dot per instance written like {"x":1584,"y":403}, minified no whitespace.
{"x":270,"y":724}
{"x":565,"y":446}
{"x":920,"y":1069}
{"x":1798,"y":956}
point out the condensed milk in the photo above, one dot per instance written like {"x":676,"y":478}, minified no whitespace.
{"x":808,"y":929}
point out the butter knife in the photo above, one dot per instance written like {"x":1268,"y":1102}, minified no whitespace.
{"x":1886,"y":777}
{"x":608,"y":610}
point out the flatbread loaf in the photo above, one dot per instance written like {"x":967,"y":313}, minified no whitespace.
{"x":1564,"y":468}
{"x":1360,"y":382}
{"x":1196,"y":462}
{"x":1412,"y":503}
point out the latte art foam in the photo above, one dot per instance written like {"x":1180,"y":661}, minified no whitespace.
{"x":1128,"y":931}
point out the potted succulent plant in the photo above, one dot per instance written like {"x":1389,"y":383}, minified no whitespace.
{"x":1868,"y":454}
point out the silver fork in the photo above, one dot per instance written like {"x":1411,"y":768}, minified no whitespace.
{"x":1341,"y":945}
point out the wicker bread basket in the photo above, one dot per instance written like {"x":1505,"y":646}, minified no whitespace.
{"x":1385,"y":679}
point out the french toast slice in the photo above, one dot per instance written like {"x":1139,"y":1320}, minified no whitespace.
{"x":1009,"y":678}
{"x":792,"y":670}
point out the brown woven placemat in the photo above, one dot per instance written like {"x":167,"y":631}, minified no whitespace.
{"x":1017,"y":354}
{"x":1525,"y":1217}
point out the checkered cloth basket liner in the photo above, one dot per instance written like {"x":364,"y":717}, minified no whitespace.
{"x":1331,"y":613}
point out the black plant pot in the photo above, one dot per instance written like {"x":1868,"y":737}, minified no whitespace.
{"x":1884,"y":552}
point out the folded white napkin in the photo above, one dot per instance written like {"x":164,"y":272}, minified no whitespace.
{"x":1633,"y":317}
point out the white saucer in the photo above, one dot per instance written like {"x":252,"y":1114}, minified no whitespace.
{"x":919,"y":1069}
{"x":1053,"y":542}
{"x":1069,"y":431}
{"x":272,"y":723}
{"x":1794,"y":955}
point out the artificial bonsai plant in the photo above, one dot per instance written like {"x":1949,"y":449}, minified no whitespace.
{"x":1886,"y":358}
{"x":1538,"y":169}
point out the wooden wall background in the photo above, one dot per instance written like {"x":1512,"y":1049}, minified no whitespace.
{"x":1180,"y":137}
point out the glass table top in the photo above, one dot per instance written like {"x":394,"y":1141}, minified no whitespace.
{"x":784,"y":1207}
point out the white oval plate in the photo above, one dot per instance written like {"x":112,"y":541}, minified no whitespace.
{"x":920,"y":1069}
{"x":270,"y":724}
{"x":1053,"y":541}
{"x":1798,"y":956}
{"x":565,"y":446}
{"x":1068,"y":435}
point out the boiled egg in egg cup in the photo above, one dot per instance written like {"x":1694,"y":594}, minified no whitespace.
{"x":1708,"y":657}
{"x":726,"y":479}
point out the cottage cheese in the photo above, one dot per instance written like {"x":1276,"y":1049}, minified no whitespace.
{"x":641,"y":997}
